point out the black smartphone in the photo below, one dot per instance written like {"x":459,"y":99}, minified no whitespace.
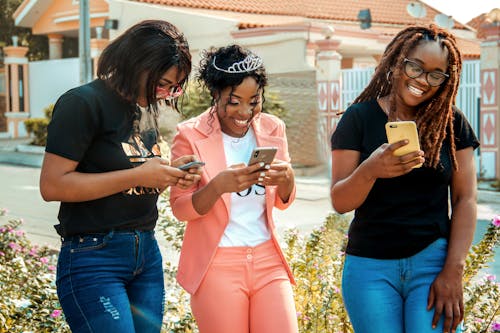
{"x":193,"y":164}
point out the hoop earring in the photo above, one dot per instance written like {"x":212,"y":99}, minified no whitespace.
{"x":388,"y":76}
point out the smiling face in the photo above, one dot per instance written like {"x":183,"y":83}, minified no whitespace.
{"x":236,"y":109}
{"x":411,"y":92}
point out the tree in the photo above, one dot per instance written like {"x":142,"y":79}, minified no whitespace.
{"x":38,"y":45}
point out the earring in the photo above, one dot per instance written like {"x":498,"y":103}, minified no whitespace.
{"x":388,"y":76}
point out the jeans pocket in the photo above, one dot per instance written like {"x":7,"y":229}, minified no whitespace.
{"x":88,"y":243}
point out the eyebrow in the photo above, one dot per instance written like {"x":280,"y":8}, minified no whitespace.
{"x":240,"y":97}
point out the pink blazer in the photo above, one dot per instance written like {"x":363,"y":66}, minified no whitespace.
{"x":202,"y":137}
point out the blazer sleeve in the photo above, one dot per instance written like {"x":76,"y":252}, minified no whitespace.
{"x":181,"y":199}
{"x":278,"y":203}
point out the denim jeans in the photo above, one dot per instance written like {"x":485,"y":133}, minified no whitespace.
{"x":111,"y":282}
{"x":390,"y":296}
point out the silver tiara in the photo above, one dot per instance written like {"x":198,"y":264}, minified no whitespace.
{"x":250,"y":63}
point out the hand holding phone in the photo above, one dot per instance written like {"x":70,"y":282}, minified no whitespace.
{"x":263,"y":154}
{"x":403,"y":130}
{"x":193,"y":164}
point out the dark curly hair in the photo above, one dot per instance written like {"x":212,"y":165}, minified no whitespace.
{"x":434,"y":117}
{"x":216,"y":81}
{"x":152,"y":47}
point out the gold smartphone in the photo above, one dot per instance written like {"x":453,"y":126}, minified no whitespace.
{"x":263,"y":154}
{"x":401,"y":130}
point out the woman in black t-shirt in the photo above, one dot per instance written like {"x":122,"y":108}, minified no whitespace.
{"x":406,"y":253}
{"x":104,"y":163}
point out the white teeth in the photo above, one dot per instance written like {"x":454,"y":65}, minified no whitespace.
{"x":241,"y":122}
{"x":415,"y":91}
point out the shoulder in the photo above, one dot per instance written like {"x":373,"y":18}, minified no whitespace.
{"x":199,"y":122}
{"x":270,"y":121}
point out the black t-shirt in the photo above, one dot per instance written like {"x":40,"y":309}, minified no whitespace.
{"x":401,"y":215}
{"x":93,"y":125}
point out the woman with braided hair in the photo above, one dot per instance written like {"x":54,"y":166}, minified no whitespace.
{"x":412,"y":227}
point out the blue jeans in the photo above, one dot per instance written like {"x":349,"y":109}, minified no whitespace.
{"x":390,"y":296}
{"x":111,"y":282}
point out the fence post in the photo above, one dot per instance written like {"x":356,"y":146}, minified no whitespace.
{"x":490,"y":106}
{"x":328,"y":80}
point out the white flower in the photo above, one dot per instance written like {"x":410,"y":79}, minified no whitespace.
{"x":21,"y":303}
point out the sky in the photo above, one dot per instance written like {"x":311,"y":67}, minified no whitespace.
{"x":463,"y":10}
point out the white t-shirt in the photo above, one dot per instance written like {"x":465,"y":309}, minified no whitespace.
{"x":247,"y":218}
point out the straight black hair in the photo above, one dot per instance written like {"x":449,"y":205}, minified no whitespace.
{"x":148,"y":48}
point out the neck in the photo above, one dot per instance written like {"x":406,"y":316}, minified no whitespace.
{"x":402,"y":113}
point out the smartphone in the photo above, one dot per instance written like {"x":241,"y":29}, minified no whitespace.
{"x":193,"y":164}
{"x":401,"y":130}
{"x":262,"y":154}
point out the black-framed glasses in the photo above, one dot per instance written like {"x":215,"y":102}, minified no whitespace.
{"x":414,"y":70}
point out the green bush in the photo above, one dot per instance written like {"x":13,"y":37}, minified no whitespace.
{"x":28,"y":300}
{"x":37,"y":127}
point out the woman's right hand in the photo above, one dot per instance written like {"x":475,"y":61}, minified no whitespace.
{"x":382,"y":163}
{"x":157,"y":173}
{"x":238,"y":177}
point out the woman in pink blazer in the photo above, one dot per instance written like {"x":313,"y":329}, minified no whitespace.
{"x":231,"y":262}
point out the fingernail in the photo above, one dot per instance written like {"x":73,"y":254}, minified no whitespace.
{"x":261,"y":164}
{"x":262,"y":174}
{"x":268,"y":166}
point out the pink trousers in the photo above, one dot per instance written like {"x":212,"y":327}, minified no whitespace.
{"x":246,"y":289}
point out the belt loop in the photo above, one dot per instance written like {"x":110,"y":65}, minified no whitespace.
{"x":110,"y":234}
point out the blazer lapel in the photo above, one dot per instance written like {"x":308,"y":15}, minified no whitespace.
{"x":209,"y":150}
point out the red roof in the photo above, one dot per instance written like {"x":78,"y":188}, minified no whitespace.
{"x":382,"y":11}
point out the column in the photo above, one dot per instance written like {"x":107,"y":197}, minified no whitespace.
{"x":55,"y":46}
{"x":16,"y":94}
{"x":490,"y":106}
{"x":328,"y":79}
{"x":97,"y":45}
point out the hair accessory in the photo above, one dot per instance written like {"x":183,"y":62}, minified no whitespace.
{"x":250,"y":63}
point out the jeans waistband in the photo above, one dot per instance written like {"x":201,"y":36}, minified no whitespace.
{"x":109,"y":234}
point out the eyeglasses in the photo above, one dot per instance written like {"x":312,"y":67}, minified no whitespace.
{"x":414,"y":70}
{"x":166,"y":93}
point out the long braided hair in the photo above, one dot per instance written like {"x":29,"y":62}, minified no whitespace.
{"x":434,"y":117}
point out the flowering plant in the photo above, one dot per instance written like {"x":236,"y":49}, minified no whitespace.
{"x":28,"y":299}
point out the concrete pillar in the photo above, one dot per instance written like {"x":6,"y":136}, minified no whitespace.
{"x":16,"y":94}
{"x":490,"y":106}
{"x":55,"y":46}
{"x":328,"y":80}
{"x":97,"y":45}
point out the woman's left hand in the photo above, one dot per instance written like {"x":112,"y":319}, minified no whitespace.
{"x":191,"y":176}
{"x":279,"y":173}
{"x":446,"y":297}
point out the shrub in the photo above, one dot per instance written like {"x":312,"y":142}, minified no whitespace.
{"x":38,"y":126}
{"x":28,"y":300}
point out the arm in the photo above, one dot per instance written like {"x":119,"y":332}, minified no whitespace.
{"x":234,"y":179}
{"x":59,"y":180}
{"x":446,"y":293}
{"x":351,"y":181}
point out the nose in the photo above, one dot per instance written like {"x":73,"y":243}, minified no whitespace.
{"x":422,"y":79}
{"x":245,"y":111}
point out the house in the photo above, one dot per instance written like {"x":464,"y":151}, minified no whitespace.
{"x":319,"y":54}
